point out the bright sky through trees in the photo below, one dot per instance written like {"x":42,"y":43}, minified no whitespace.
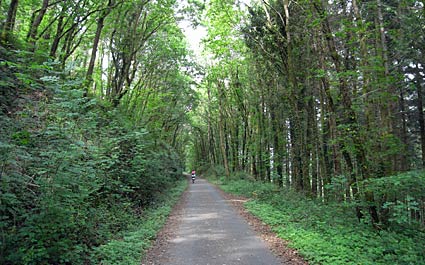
{"x":193,"y":35}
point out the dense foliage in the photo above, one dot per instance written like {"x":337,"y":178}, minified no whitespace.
{"x":134,"y":242}
{"x":86,"y":161}
{"x":322,"y":97}
{"x":328,"y":233}
{"x":75,"y":176}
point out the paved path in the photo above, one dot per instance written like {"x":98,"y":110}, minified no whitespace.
{"x":212,"y":233}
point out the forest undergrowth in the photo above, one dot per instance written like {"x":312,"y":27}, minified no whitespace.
{"x":80,"y":183}
{"x":133,"y":243}
{"x":327,"y":233}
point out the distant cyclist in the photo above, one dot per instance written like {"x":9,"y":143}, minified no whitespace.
{"x":193,"y":176}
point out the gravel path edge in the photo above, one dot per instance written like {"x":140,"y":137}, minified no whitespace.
{"x":276,"y":244}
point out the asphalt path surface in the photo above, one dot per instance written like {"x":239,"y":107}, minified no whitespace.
{"x":211,"y":232}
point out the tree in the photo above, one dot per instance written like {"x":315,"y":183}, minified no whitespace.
{"x":36,"y":20}
{"x":10,"y":20}
{"x":71,"y":160}
{"x":324,"y":95}
{"x":96,"y":40}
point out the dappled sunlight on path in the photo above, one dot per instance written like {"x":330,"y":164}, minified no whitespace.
{"x":212,"y":232}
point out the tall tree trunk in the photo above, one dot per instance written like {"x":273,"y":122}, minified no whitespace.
{"x":404,"y":165}
{"x":306,"y":145}
{"x":9,"y":25}
{"x":323,"y":154}
{"x":287,"y":162}
{"x":221,"y":130}
{"x":420,"y":114}
{"x":277,"y":157}
{"x":315,"y":143}
{"x":57,"y":38}
{"x":211,"y":144}
{"x":297,"y":139}
{"x":296,"y":153}
{"x":226,"y":143}
{"x":99,"y":28}
{"x":329,"y":125}
{"x":32,"y":33}
{"x":244,"y":142}
{"x":234,"y":138}
{"x":348,"y":116}
{"x":389,"y":106}
{"x":383,"y":38}
{"x":254,"y":170}
{"x":261,"y":143}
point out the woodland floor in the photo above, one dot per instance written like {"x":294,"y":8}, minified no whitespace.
{"x":209,"y":226}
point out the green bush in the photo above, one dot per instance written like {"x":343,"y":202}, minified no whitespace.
{"x":130,"y":246}
{"x":75,"y":177}
{"x":400,"y":199}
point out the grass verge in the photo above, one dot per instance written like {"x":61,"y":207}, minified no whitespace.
{"x":131,"y":246}
{"x":327,"y":233}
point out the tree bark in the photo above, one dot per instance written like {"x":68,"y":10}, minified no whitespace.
{"x":99,"y":28}
{"x":32,"y":33}
{"x":348,"y":117}
{"x":314,"y":150}
{"x":210,"y":135}
{"x":277,"y":158}
{"x":57,"y":38}
{"x":10,"y":20}
{"x":420,"y":115}
{"x":221,"y":130}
